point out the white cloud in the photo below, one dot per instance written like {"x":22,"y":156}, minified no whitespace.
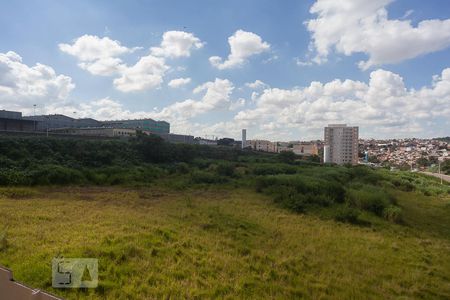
{"x":256,"y":85}
{"x":99,"y":56}
{"x":360,"y":26}
{"x":407,"y":13}
{"x":302,"y":63}
{"x":178,"y":82}
{"x":22,"y":86}
{"x":104,"y":67}
{"x":147,"y":73}
{"x":91,"y":47}
{"x":243,"y":44}
{"x":177,"y":44}
{"x":237,"y":104}
{"x":216,"y":96}
{"x":382,"y":107}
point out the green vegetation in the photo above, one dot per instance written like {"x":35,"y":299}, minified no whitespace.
{"x":181,"y":221}
{"x":158,"y":243}
{"x":445,"y":167}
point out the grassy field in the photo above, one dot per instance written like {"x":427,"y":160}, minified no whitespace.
{"x":220,"y":242}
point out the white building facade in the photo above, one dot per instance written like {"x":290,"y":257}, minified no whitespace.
{"x":341,"y":144}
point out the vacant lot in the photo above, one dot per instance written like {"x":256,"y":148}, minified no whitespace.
{"x":217,"y":242}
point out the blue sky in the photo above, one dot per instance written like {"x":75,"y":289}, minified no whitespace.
{"x":275,"y":44}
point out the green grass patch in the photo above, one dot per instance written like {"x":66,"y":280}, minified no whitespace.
{"x":218,"y":243}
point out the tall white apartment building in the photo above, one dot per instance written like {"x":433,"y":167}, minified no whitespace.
{"x":341,"y":144}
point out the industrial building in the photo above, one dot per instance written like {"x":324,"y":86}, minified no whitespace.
{"x":13,"y":121}
{"x":156,"y":127}
{"x":341,"y":144}
{"x":56,"y":121}
{"x":175,"y":138}
{"x":202,"y":141}
{"x":96,"y":131}
{"x":49,"y":122}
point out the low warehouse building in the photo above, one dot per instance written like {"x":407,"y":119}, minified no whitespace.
{"x":13,"y":121}
{"x":99,"y":131}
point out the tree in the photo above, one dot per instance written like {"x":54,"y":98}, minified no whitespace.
{"x":287,"y":156}
{"x":445,"y":167}
{"x":423,"y":162}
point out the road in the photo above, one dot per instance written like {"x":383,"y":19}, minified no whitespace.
{"x":444,"y":177}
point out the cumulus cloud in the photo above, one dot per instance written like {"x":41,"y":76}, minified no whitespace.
{"x":243,"y":44}
{"x":360,"y":26}
{"x":97,"y":55}
{"x":216,"y":96}
{"x":178,"y":82}
{"x":147,"y":73}
{"x":177,"y":44}
{"x":383,"y":106}
{"x":237,"y":104}
{"x":256,"y":85}
{"x":21,"y":86}
{"x":101,"y":56}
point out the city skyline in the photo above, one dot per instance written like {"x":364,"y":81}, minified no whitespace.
{"x":281,"y":72}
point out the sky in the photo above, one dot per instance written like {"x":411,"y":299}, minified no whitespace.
{"x":281,"y":69}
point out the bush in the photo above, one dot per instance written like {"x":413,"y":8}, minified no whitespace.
{"x":369,"y":198}
{"x":393,"y":214}
{"x":54,"y":174}
{"x":403,"y":184}
{"x":14,"y":177}
{"x":225,"y":169}
{"x":3,"y":240}
{"x":289,"y":198}
{"x":273,"y":169}
{"x":347,"y":214}
{"x":206,"y":177}
{"x":297,"y":192}
{"x":287,"y":156}
{"x":182,"y":168}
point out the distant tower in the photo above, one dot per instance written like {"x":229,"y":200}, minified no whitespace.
{"x":244,"y":138}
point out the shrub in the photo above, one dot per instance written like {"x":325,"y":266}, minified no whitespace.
{"x":291,"y":199}
{"x":403,"y":184}
{"x":273,"y":169}
{"x":296,"y":192}
{"x":347,"y":214}
{"x":225,"y":169}
{"x":287,"y":156}
{"x":368,"y":198}
{"x":206,"y":177}
{"x":393,"y":214}
{"x":55,"y":174}
{"x":3,"y":240}
{"x":182,"y":168}
{"x":14,"y":177}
